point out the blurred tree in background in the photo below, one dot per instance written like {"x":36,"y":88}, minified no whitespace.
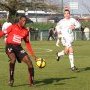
{"x":12,"y":6}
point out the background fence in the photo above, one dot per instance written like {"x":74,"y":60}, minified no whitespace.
{"x":43,"y":35}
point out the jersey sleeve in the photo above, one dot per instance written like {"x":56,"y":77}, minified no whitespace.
{"x":4,"y":32}
{"x":58,"y":26}
{"x":28,"y":44}
{"x":77,"y":24}
{"x":8,"y":29}
{"x":29,"y":48}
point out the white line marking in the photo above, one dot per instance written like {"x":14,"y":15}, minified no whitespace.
{"x":45,"y":50}
{"x":49,"y":50}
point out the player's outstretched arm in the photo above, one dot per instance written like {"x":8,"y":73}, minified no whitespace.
{"x":29,"y":48}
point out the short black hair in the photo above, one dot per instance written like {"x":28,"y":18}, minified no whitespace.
{"x":67,"y":10}
{"x":22,"y":16}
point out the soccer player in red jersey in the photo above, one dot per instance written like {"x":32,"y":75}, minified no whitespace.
{"x":16,"y":33}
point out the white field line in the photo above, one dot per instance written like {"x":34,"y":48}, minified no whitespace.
{"x":43,"y":50}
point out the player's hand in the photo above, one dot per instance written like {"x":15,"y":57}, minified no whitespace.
{"x":72,"y":27}
{"x":34,"y":57}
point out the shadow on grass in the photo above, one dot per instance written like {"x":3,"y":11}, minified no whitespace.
{"x":54,"y":81}
{"x":87,"y":68}
{"x":21,"y":85}
{"x":84,"y":69}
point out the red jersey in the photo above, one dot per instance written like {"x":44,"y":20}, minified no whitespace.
{"x":16,"y":34}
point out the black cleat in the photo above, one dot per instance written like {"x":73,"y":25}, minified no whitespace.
{"x":10,"y":83}
{"x":74,"y":69}
{"x":58,"y":57}
{"x":31,"y":84}
{"x":32,"y":81}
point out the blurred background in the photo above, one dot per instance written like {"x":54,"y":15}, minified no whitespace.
{"x":44,"y":14}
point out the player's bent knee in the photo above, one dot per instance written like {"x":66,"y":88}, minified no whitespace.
{"x":28,"y":61}
{"x":12,"y":61}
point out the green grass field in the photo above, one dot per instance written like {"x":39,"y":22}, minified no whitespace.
{"x":56,"y":75}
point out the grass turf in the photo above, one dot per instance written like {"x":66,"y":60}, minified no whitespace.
{"x":56,"y":75}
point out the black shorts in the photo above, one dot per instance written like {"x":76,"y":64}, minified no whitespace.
{"x":17,"y":50}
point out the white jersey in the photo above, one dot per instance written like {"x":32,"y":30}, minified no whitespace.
{"x":6,"y":25}
{"x":63,"y":26}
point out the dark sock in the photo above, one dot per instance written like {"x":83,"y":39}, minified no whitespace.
{"x":11,"y":71}
{"x":31,"y":75}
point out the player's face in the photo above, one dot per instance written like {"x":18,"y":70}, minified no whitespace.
{"x":67,"y":14}
{"x":22,"y":21}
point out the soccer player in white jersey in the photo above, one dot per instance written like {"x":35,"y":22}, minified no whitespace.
{"x":5,"y":26}
{"x":66,"y":27}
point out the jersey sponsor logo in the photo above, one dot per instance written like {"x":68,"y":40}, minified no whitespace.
{"x":9,"y":49}
{"x":69,"y":31}
{"x":22,"y":51}
{"x":17,"y":38}
{"x":16,"y":29}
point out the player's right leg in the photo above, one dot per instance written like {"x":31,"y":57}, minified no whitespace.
{"x":12,"y":57}
{"x":62,"y":53}
{"x":11,"y":68}
{"x":59,"y":55}
{"x":48,"y":37}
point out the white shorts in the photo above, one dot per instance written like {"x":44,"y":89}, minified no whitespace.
{"x":67,"y":41}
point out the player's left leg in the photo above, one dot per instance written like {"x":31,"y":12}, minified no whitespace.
{"x":12,"y":57}
{"x":62,"y":53}
{"x":49,"y":37}
{"x":53,"y":37}
{"x":65,"y":43}
{"x":71,"y":58}
{"x":28,"y":61}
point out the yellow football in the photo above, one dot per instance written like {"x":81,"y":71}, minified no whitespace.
{"x":41,"y":63}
